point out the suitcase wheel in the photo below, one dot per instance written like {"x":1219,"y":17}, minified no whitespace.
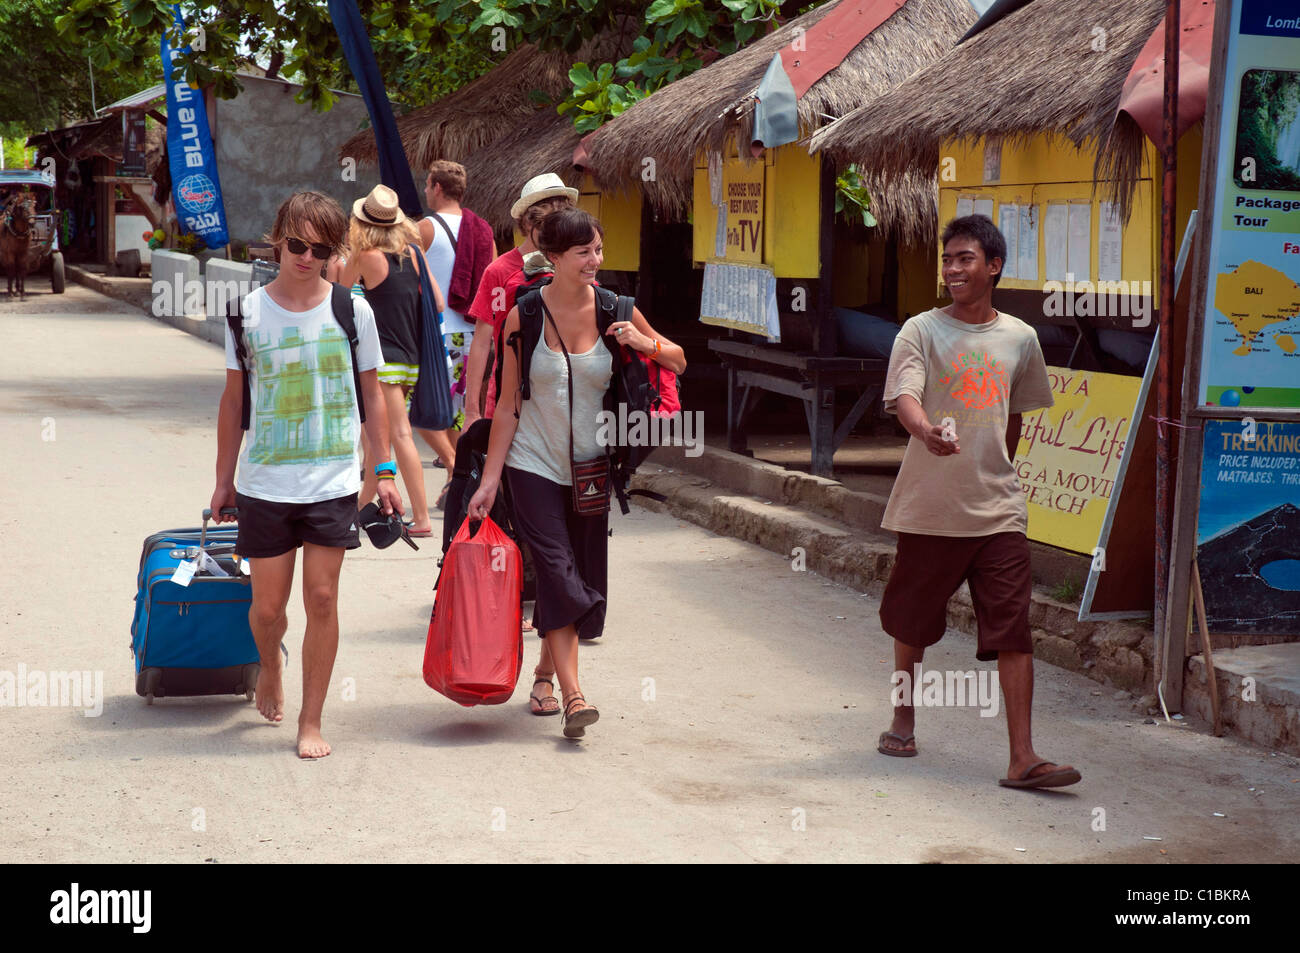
{"x":149,"y":681}
{"x":249,"y":682}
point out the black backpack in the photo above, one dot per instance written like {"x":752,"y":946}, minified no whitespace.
{"x":629,"y":385}
{"x":341,"y":303}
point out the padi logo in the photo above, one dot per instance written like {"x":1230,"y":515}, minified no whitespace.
{"x":196,"y":193}
{"x":636,"y":428}
{"x":103,"y":907}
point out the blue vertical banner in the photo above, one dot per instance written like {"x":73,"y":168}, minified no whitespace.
{"x":196,"y":187}
{"x":394,"y":170}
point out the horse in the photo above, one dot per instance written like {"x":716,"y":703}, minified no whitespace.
{"x":16,"y":222}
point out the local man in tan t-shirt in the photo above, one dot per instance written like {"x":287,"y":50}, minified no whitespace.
{"x":959,"y":379}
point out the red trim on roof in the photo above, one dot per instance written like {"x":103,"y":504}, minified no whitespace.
{"x":832,"y":38}
{"x":1143,"y":95}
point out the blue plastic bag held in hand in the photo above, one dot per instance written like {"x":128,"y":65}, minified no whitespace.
{"x":475,"y":649}
{"x":431,"y":407}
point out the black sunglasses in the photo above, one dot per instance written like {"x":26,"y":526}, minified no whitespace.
{"x":319,"y":250}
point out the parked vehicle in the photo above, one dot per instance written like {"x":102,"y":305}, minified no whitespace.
{"x":43,"y":249}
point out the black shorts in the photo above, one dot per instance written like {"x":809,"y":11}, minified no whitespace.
{"x":929,"y":569}
{"x":269,"y":529}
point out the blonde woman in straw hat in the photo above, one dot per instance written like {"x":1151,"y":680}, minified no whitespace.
{"x":379,"y":254}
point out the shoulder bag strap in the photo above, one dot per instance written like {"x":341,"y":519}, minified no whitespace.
{"x":568,"y":364}
{"x":446,"y":228}
{"x":235,"y":322}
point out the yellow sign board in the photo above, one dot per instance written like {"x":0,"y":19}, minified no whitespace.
{"x":743,"y":200}
{"x":1069,"y":455}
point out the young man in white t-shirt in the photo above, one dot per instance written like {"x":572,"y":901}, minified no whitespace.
{"x":959,"y":379}
{"x":298,"y":471}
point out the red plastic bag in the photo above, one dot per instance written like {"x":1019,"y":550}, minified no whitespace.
{"x":475,"y":649}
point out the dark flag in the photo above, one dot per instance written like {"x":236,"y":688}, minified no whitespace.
{"x":394,"y":171}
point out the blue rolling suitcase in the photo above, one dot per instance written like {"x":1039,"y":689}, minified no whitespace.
{"x":193,"y":639}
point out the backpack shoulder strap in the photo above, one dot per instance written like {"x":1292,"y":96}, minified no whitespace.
{"x":607,"y":310}
{"x":525,"y":339}
{"x":446,"y":228}
{"x":235,"y":322}
{"x":341,"y":303}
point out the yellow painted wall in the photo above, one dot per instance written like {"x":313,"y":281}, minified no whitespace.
{"x":1050,"y":170}
{"x":791,"y":209}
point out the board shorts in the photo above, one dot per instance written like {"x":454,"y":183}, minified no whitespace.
{"x":929,"y":569}
{"x":267,"y":528}
{"x":458,"y":361}
{"x":395,"y":373}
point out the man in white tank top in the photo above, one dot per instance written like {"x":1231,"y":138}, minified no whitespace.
{"x":441,"y":230}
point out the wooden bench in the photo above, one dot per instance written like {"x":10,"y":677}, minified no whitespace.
{"x":755,"y":368}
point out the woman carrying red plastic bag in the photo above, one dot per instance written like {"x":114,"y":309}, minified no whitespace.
{"x":475,"y":649}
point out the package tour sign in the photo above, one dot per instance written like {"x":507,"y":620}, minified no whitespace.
{"x":1248,"y":526}
{"x":1070,"y":453}
{"x":1251,"y":346}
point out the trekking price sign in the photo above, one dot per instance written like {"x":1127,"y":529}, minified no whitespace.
{"x":1248,"y":527}
{"x":1251,"y":349}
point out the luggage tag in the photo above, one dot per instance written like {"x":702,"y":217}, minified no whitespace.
{"x":211,"y":566}
{"x":184,"y":572}
{"x":949,"y":429}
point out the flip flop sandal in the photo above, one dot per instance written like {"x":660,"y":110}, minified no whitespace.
{"x":896,"y":752}
{"x":575,"y":724}
{"x":442,"y":497}
{"x":541,"y":700}
{"x":1052,"y":779}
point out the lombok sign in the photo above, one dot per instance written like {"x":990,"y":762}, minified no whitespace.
{"x":196,"y":188}
{"x":1069,"y":455}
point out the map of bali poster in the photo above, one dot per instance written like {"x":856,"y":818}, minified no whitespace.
{"x":1248,"y":527}
{"x":1251,"y":354}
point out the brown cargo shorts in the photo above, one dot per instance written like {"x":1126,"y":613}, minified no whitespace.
{"x":929,"y":569}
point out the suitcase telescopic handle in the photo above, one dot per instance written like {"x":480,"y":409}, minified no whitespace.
{"x":207,"y":515}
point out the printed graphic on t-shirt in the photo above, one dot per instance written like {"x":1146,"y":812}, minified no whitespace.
{"x":304,"y":398}
{"x":981,"y":380}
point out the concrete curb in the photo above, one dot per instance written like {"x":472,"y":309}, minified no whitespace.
{"x":139,"y":293}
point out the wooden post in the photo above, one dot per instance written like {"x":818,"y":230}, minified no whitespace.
{"x":1175,"y":601}
{"x":822,"y":417}
{"x":1164,"y":385}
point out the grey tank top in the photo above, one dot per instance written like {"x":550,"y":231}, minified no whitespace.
{"x":541,"y":444}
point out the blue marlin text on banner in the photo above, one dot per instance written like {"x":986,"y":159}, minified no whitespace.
{"x":196,"y":188}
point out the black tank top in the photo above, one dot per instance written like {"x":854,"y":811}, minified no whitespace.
{"x":396,"y":303}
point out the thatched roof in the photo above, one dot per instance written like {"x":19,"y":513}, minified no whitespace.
{"x":544,"y":142}
{"x":478,"y":113}
{"x":700,"y":111}
{"x":1036,"y":71}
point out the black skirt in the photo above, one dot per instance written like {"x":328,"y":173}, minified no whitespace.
{"x":570,"y":554}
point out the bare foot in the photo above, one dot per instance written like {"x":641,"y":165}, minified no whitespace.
{"x":270,"y":691}
{"x":310,"y":743}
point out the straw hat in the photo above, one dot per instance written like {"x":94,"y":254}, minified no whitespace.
{"x":380,"y":207}
{"x":539,"y":187}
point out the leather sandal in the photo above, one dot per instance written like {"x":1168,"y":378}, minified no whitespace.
{"x":576,"y":722}
{"x":537,"y":703}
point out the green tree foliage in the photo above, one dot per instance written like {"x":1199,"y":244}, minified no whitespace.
{"x":427,"y":48}
{"x":45,"y":81}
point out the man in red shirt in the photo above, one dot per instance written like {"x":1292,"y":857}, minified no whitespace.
{"x":540,"y":196}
